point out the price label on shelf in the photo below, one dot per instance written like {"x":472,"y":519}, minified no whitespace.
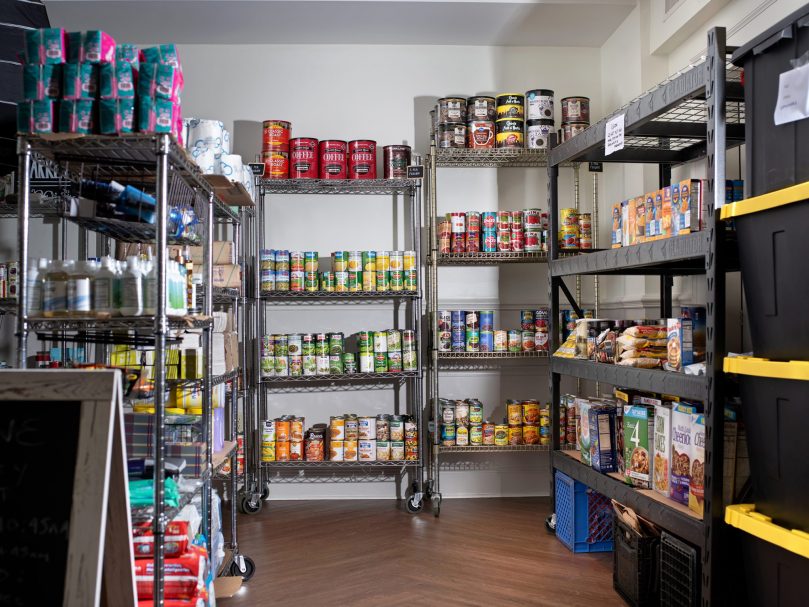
{"x":614,"y":135}
{"x":257,"y":168}
{"x":415,"y":172}
{"x":793,"y":96}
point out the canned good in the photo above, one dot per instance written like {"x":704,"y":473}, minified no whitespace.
{"x":339,"y":261}
{"x":314,"y":448}
{"x":268,"y":452}
{"x":321,"y":344}
{"x":366,"y":363}
{"x":296,"y":263}
{"x":504,"y":99}
{"x":409,"y":260}
{"x":309,"y":365}
{"x":267,"y":366}
{"x":322,"y":363}
{"x":303,"y":158}
{"x":283,"y":429}
{"x":396,"y":280}
{"x":528,"y":341}
{"x":349,"y":362}
{"x":568,"y":217}
{"x":382,"y":280}
{"x":571,"y":129}
{"x":575,"y":109}
{"x":501,"y":341}
{"x":530,"y":435}
{"x":367,"y":428}
{"x":512,"y":110}
{"x":383,"y":450}
{"x":514,"y":412}
{"x":336,"y":364}
{"x":362,"y":159}
{"x":295,"y":451}
{"x":354,"y":282}
{"x":367,"y":450}
{"x":380,"y":362}
{"x":451,"y":109}
{"x":395,"y":362}
{"x":501,"y":435}
{"x":333,"y":159}
{"x":480,"y":134}
{"x":276,"y":135}
{"x":448,"y":434}
{"x":540,"y":104}
{"x":365,"y":342}
{"x":515,"y":341}
{"x":472,"y":340}
{"x":337,"y":427}
{"x":461,"y":413}
{"x":488,"y":433}
{"x":532,"y":240}
{"x":352,"y":424}
{"x":475,"y":412}
{"x":411,"y":282}
{"x":462,"y":436}
{"x":328,"y":282}
{"x":295,"y":365}
{"x":396,"y":159}
{"x":394,"y":340}
{"x":368,"y":261}
{"x":281,"y":366}
{"x":282,"y":451}
{"x":383,"y":427}
{"x":335,"y":344}
{"x":397,"y":450}
{"x":527,"y":320}
{"x":539,"y":133}
{"x":336,"y":450}
{"x":481,"y":108}
{"x":517,"y":241}
{"x":383,"y":260}
{"x":411,"y":430}
{"x":476,"y":434}
{"x":509,"y":133}
{"x":447,"y":411}
{"x":530,"y":412}
{"x":515,"y":435}
{"x":381,"y":341}
{"x":451,"y":135}
{"x":276,"y":164}
{"x":504,"y":240}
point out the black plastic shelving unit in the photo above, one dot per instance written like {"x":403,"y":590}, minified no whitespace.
{"x":697,"y":113}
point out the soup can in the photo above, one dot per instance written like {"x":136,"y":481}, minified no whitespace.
{"x":480,"y":134}
{"x":530,"y":412}
{"x":352,"y":427}
{"x":366,"y":450}
{"x":514,"y":412}
{"x":276,"y":134}
{"x":475,"y":411}
{"x":501,"y":435}
{"x":383,"y":450}
{"x":575,"y":109}
{"x":571,"y":129}
{"x":276,"y":164}
{"x":476,"y":434}
{"x":528,"y":341}
{"x":283,"y":429}
{"x":540,"y":104}
{"x":447,"y":411}
{"x":461,"y":413}
{"x":333,"y":159}
{"x":396,"y":159}
{"x":481,"y":108}
{"x":509,"y":133}
{"x":383,"y":426}
{"x":514,"y":341}
{"x":452,"y":135}
{"x":448,"y":434}
{"x":538,"y":133}
{"x":362,"y":159}
{"x":501,"y":341}
{"x":282,"y":451}
{"x":451,"y":109}
{"x":462,"y":436}
{"x":337,"y":427}
{"x":488,"y":433}
{"x":336,"y":450}
{"x":530,"y":435}
{"x":303,"y":158}
{"x":295,"y":451}
{"x":487,"y":341}
{"x":397,"y":450}
{"x":515,"y":435}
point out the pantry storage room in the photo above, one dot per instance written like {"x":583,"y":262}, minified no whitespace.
{"x":360,"y":302}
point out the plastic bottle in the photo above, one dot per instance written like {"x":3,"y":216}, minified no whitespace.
{"x":118,"y":268}
{"x":104,"y":289}
{"x":191,"y":288}
{"x":79,"y":289}
{"x":36,"y":274}
{"x":54,"y":290}
{"x":149,"y":287}
{"x":132,"y":289}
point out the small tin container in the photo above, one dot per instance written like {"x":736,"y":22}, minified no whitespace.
{"x":276,"y":164}
{"x":509,"y":133}
{"x":452,"y":135}
{"x":276,"y":135}
{"x":575,"y":109}
{"x":571,"y":129}
{"x":514,"y":412}
{"x":461,"y":413}
{"x":362,"y":159}
{"x":538,"y":134}
{"x":539,"y":103}
{"x":448,"y":435}
{"x":462,"y":436}
{"x":476,"y":434}
{"x":501,"y":341}
{"x":303,"y":158}
{"x":488,"y":433}
{"x":383,"y":427}
{"x":480,"y":134}
{"x":515,"y":435}
{"x":481,"y":108}
{"x":451,"y":109}
{"x":396,"y":159}
{"x":333,"y":158}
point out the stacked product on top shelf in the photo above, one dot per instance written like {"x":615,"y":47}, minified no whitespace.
{"x":491,"y":231}
{"x":575,"y":116}
{"x":474,"y":331}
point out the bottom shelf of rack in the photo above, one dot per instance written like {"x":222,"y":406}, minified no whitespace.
{"x":492,"y":448}
{"x":341,"y":465}
{"x":662,"y":511}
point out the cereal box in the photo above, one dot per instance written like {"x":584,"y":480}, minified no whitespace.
{"x":664,"y":229}
{"x":680,"y":451}
{"x":602,"y":434}
{"x":691,"y":201}
{"x":661,"y":458}
{"x":651,"y":220}
{"x":617,"y":225}
{"x":626,"y":208}
{"x":640,"y":220}
{"x":694,"y":316}
{"x":638,"y":433}
{"x":675,"y":209}
{"x":696,"y":486}
{"x":583,"y":429}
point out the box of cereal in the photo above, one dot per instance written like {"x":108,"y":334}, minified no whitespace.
{"x":617,"y":230}
{"x":691,"y":201}
{"x":638,"y":433}
{"x":583,"y":429}
{"x":640,"y":220}
{"x":661,"y":458}
{"x":680,"y":451}
{"x":696,"y":485}
{"x":664,"y":229}
{"x":675,"y":209}
{"x":651,"y":214}
{"x":602,"y":438}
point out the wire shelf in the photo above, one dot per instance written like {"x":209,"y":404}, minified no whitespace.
{"x":215,"y":380}
{"x":123,"y":323}
{"x":492,"y":448}
{"x":446,"y":356}
{"x":342,"y":465}
{"x":221,"y":296}
{"x":39,"y":206}
{"x":145,"y":514}
{"x":322,"y":297}
{"x":490,"y":258}
{"x":336,"y":383}
{"x":339,"y":186}
{"x":492,"y":158}
{"x":220,"y":458}
{"x":126,"y":231}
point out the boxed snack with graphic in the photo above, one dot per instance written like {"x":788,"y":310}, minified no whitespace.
{"x":661,"y":458}
{"x":638,"y":434}
{"x":654,"y":205}
{"x":696,"y":485}
{"x":617,"y":230}
{"x":691,"y":202}
{"x":686,"y":339}
{"x":601,"y":418}
{"x":638,"y":221}
{"x":680,"y":475}
{"x":664,"y":220}
{"x":583,"y":430}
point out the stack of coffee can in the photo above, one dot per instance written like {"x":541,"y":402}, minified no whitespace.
{"x":575,"y":116}
{"x":585,"y":231}
{"x":510,"y":125}
{"x":539,"y":114}
{"x":481,"y":113}
{"x":275,"y":148}
{"x":449,"y":123}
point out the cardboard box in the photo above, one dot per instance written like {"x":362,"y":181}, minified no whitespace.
{"x":227,"y":276}
{"x":223,"y":253}
{"x":583,"y":430}
{"x":661,"y":459}
{"x":691,"y":206}
{"x":218,"y":366}
{"x":695,"y":316}
{"x":651,"y":213}
{"x":640,"y":220}
{"x":680,"y":451}
{"x":626,"y":208}
{"x":664,"y":220}
{"x":696,"y":486}
{"x":231,"y":351}
{"x":675,"y":208}
{"x":617,"y":231}
{"x":602,"y":438}
{"x":638,"y":436}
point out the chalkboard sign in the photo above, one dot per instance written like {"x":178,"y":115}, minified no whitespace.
{"x":38,"y":449}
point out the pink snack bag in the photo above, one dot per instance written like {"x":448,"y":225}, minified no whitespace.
{"x":92,"y":46}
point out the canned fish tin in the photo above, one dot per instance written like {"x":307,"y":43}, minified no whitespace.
{"x":575,"y":109}
{"x":303,"y":158}
{"x":276,"y":135}
{"x":530,"y":435}
{"x":462,"y":436}
{"x":501,"y":435}
{"x":509,"y":133}
{"x":396,"y":159}
{"x":366,"y":363}
{"x":461,"y":413}
{"x":448,"y":434}
{"x":480,"y":134}
{"x":475,"y":411}
{"x":276,"y":164}
{"x":397,"y":450}
{"x":528,"y":341}
{"x":481,"y":108}
{"x":382,"y":450}
{"x":349,"y":362}
{"x":476,"y":434}
{"x":362,"y":159}
{"x":488,"y":433}
{"x":451,"y":109}
{"x":571,"y":129}
{"x":383,"y":426}
{"x":452,"y":135}
{"x":540,"y":104}
{"x":538,"y":133}
{"x":380,"y":362}
{"x":500,"y":341}
{"x":333,"y":159}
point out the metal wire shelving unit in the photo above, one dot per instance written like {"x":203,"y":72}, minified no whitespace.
{"x":492,"y":448}
{"x":698,"y":112}
{"x":259,"y":479}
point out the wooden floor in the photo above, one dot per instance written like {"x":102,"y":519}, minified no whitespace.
{"x":492,"y":552}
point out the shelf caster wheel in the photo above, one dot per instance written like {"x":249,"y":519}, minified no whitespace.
{"x":248,"y":565}
{"x":436,"y":505}
{"x":248,"y":506}
{"x":428,"y":490}
{"x":265,"y":492}
{"x":413,"y":505}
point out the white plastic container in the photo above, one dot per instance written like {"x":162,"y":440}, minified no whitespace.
{"x":104,"y":287}
{"x":54,"y":290}
{"x":36,"y":273}
{"x":149,"y":288}
{"x":132,"y":289}
{"x":80,"y":290}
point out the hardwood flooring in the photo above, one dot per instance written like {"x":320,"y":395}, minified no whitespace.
{"x":480,"y":552}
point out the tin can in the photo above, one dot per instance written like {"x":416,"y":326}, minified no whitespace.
{"x":483,"y":320}
{"x":366,"y":363}
{"x":585,"y":222}
{"x":281,"y":366}
{"x":475,"y":411}
{"x":447,"y":411}
{"x":396,"y":159}
{"x":461,"y":413}
{"x":383,"y":426}
{"x":321,"y":344}
{"x":510,"y":99}
{"x":380,"y":341}
{"x":509,"y":133}
{"x":397,"y":280}
{"x":283,"y":429}
{"x":266,"y":259}
{"x":568,"y":217}
{"x":341,"y":282}
{"x":354,"y":282}
{"x":539,"y":133}
{"x":310,"y":281}
{"x":411,"y":282}
{"x":514,"y":412}
{"x":339,"y":261}
{"x":281,"y":345}
{"x":281,"y":280}
{"x":408,"y":340}
{"x":268,"y":452}
{"x":527,"y":320}
{"x":354,"y":261}
{"x":337,"y":427}
{"x":395,"y":362}
{"x":296,"y":263}
{"x":489,"y":241}
{"x":481,"y":108}
{"x":268,"y":431}
{"x":349,"y":362}
{"x":409,"y":261}
{"x":397,"y":431}
{"x":517,"y":241}
{"x":480,"y":134}
{"x":296,"y":280}
{"x":282,"y":261}
{"x":530,"y":412}
{"x":351,"y":427}
{"x":397,"y":450}
{"x":303,"y":158}
{"x":296,"y":426}
{"x":383,"y":260}
{"x":512,"y":110}
{"x":458,"y":339}
{"x":533,"y":241}
{"x":276,"y":134}
{"x":585,"y":243}
{"x":500,"y":341}
{"x":504,"y":240}
{"x":528,"y":341}
{"x":540,"y":104}
{"x":487,"y":341}
{"x":515,"y":341}
{"x":336,"y":342}
{"x":472,"y":342}
{"x":452,"y":135}
{"x":380,"y":362}
{"x":476,"y":434}
{"x":267,"y":280}
{"x":367,"y":428}
{"x":410,"y":360}
{"x":336,"y":450}
{"x":382,"y":450}
{"x":530,"y":435}
{"x":333,"y":159}
{"x":369,"y":281}
{"x":515,"y":435}
{"x":411,"y":430}
{"x":314,"y":448}
{"x":571,"y":129}
{"x":365,"y":342}
{"x":362,"y":159}
{"x":575,"y":109}
{"x":276,"y":164}
{"x":336,"y":364}
{"x":451,"y":109}
{"x":282,"y":451}
{"x":267,"y":366}
{"x":448,"y":434}
{"x":366,"y":450}
{"x":488,"y":433}
{"x":309,"y":364}
{"x":322,"y":363}
{"x":462,"y":436}
{"x":501,"y":435}
{"x":295,"y":365}
{"x":394,"y":340}
{"x":503,"y":221}
{"x":383,"y":280}
{"x":368,"y":260}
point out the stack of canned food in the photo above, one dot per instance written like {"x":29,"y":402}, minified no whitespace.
{"x":310,"y":354}
{"x":575,"y":230}
{"x":463,"y":424}
{"x":346,"y":438}
{"x":307,"y":158}
{"x":568,"y":422}
{"x":491,"y":231}
{"x":473,"y":331}
{"x":575,"y":116}
{"x":351,"y":271}
{"x":9,"y":279}
{"x":568,"y":320}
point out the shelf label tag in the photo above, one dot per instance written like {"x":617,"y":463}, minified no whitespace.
{"x":793,"y":96}
{"x":614,"y":135}
{"x":596,"y":167}
{"x":257,"y":168}
{"x":415,"y":172}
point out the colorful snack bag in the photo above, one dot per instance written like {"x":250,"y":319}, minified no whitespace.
{"x":92,"y":46}
{"x":36,"y":116}
{"x":116,"y":80}
{"x":41,"y":81}
{"x":80,"y":81}
{"x":47,"y":45}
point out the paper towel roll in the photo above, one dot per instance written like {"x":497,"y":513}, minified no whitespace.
{"x":247,"y":180}
{"x":226,"y":149}
{"x":209,"y":134}
{"x":230,"y":165}
{"x":205,"y":159}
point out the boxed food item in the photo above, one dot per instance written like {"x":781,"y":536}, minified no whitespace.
{"x":664,"y":220}
{"x":41,"y":81}
{"x":694,"y":317}
{"x":681,"y":451}
{"x":638,"y":433}
{"x":601,"y":418}
{"x":583,"y":430}
{"x":617,"y":230}
{"x":642,"y":346}
{"x":691,"y":201}
{"x":626,"y":208}
{"x":650,"y":231}
{"x":661,"y":465}
{"x":227,"y":276}
{"x":639,"y":219}
{"x":686,"y":339}
{"x":696,"y":485}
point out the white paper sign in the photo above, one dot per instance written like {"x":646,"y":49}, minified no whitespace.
{"x":793,"y":96}
{"x":614,"y":135}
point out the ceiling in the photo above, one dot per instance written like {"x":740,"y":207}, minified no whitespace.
{"x":586,"y":23}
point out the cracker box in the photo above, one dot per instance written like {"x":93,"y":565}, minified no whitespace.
{"x":696,"y":486}
{"x":680,"y":475}
{"x":691,"y":201}
{"x":583,"y":430}
{"x":602,"y":438}
{"x":664,"y":220}
{"x":661,"y":458}
{"x":638,"y":434}
{"x":617,"y":225}
{"x":640,"y":220}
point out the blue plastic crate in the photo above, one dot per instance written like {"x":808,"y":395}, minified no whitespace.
{"x":583,"y":516}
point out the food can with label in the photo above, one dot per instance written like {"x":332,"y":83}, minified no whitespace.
{"x":367,"y":428}
{"x":283,"y":429}
{"x":480,"y":134}
{"x":528,"y":343}
{"x":476,"y":434}
{"x":461,"y":413}
{"x":545,"y":417}
{"x":369,"y":281}
{"x":303,"y":158}
{"x":410,"y":360}
{"x":282,"y":451}
{"x":510,"y":105}
{"x":276,"y":135}
{"x":383,"y":426}
{"x":514,"y":412}
{"x":515,"y":435}
{"x":336,"y":450}
{"x":462,"y":436}
{"x":530,"y":435}
{"x":487,"y":341}
{"x":448,"y":435}
{"x":510,"y":133}
{"x":268,"y":431}
{"x":501,"y":340}
{"x":575,"y":109}
{"x":452,"y":135}
{"x":366,"y":363}
{"x":281,"y":366}
{"x":295,"y":365}
{"x":485,"y":320}
{"x":504,"y":240}
{"x":333,"y":159}
{"x":321,"y":344}
{"x":517,"y":241}
{"x":472,"y":340}
{"x":447,"y":411}
{"x":538,"y":134}
{"x":488,"y":433}
{"x":322,"y":365}
{"x":267,"y":366}
{"x":337,"y":427}
{"x":571,"y":129}
{"x":351,"y":426}
{"x":411,"y":282}
{"x":481,"y":108}
{"x":540,"y":104}
{"x":336,"y":341}
{"x":397,"y":280}
{"x":382,"y":280}
{"x":354,"y":282}
{"x":339,"y":261}
{"x":397,"y":450}
{"x":380,"y":362}
{"x":382,"y":450}
{"x":397,"y":430}
{"x":411,"y":429}
{"x":314,"y":447}
{"x":396,"y":159}
{"x":367,"y":450}
{"x":309,"y":365}
{"x":336,"y":364}
{"x":527,"y":320}
{"x":349,"y":362}
{"x":514,"y":341}
{"x":475,"y":411}
{"x":327,"y":282}
{"x":295,"y":451}
{"x":341,"y":282}
{"x":381,"y":341}
{"x":268,"y":452}
{"x":501,"y":435}
{"x":451,"y":109}
{"x":362,"y":159}
{"x":395,"y":362}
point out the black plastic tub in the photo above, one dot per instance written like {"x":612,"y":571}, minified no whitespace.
{"x":774,"y":577}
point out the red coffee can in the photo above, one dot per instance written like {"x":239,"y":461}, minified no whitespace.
{"x":276,"y":164}
{"x":303,"y":154}
{"x":276,"y":135}
{"x":362,"y":159}
{"x":333,"y":162}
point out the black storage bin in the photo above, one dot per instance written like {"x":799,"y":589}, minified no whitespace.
{"x":774,"y":577}
{"x":680,"y":578}
{"x":635,"y":574}
{"x":776,"y":155}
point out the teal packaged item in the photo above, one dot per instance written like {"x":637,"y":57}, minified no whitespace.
{"x":134,"y":197}
{"x":36,"y":116}
{"x":116,"y":81}
{"x":46,"y":46}
{"x":164,"y":53}
{"x":92,"y":46}
{"x":41,"y":81}
{"x":127,"y":53}
{"x":156,"y":115}
{"x":159,"y":80}
{"x":80,"y":81}
{"x":116,"y":116}
{"x":77,"y":116}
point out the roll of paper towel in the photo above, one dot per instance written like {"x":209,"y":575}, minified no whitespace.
{"x":226,"y":149}
{"x":206,"y":160}
{"x":247,"y":180}
{"x":207,"y":134}
{"x":230,"y":165}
